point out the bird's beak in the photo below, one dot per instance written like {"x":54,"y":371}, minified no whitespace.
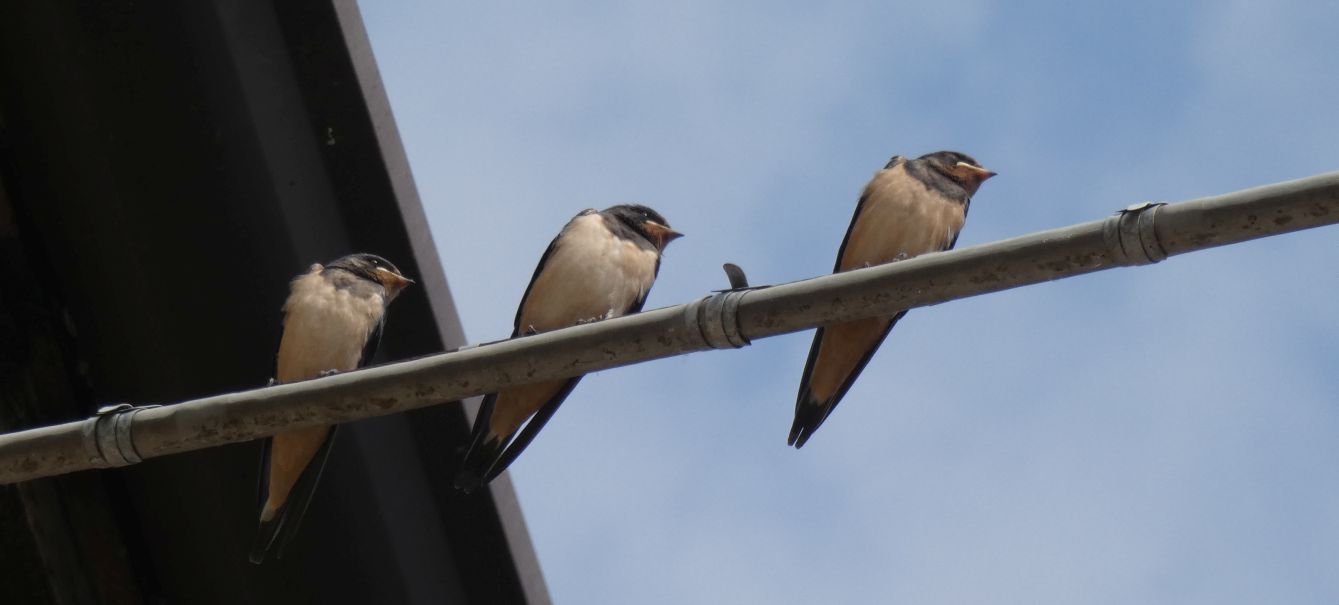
{"x":975,"y":172}
{"x":392,"y":280}
{"x":663,"y":235}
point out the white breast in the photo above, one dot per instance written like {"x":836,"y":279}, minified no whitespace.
{"x":590,"y":275}
{"x":325,"y":328}
{"x":900,"y":218}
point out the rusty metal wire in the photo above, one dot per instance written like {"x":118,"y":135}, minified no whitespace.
{"x":1138,"y":235}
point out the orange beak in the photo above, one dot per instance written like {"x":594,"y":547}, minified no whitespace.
{"x":662,"y":234}
{"x":391,"y":280}
{"x":975,"y":172}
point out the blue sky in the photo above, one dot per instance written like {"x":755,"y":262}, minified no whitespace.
{"x":1160,"y":434}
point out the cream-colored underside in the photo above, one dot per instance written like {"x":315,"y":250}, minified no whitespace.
{"x":325,"y":328}
{"x":590,"y":275}
{"x":901,"y":218}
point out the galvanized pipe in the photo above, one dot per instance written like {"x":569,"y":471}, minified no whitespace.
{"x":1138,"y":235}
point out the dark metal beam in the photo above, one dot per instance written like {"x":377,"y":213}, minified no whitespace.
{"x":176,"y":164}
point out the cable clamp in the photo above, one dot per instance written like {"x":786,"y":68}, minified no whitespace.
{"x":107,"y":439}
{"x":1131,"y":236}
{"x":715,"y":318}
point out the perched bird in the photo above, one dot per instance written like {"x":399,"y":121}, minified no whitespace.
{"x":601,"y":265}
{"x":332,"y":323}
{"x":909,"y":208}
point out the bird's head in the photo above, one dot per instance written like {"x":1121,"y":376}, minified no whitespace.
{"x":958,"y":167}
{"x":647,"y":222}
{"x":376,"y":269}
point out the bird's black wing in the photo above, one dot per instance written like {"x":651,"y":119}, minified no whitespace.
{"x":517,"y":328}
{"x":531,"y":429}
{"x":636,"y":306}
{"x":967,"y":205}
{"x":274,"y":535}
{"x":810,"y":413}
{"x":373,"y":342}
{"x":809,"y":417}
{"x":481,"y":455}
{"x":541,"y":417}
{"x":546,"y":412}
{"x":855,"y":216}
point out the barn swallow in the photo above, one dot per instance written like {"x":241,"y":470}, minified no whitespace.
{"x":601,"y":265}
{"x":332,"y":323}
{"x":909,"y":208}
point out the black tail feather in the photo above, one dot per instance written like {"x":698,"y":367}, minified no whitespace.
{"x":531,"y":429}
{"x":482,"y":451}
{"x":474,"y":469}
{"x":265,"y":538}
{"x":809,"y":415}
{"x":274,"y":535}
{"x":490,"y":454}
{"x":809,"y":411}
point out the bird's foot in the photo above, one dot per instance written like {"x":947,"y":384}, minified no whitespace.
{"x":324,"y":373}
